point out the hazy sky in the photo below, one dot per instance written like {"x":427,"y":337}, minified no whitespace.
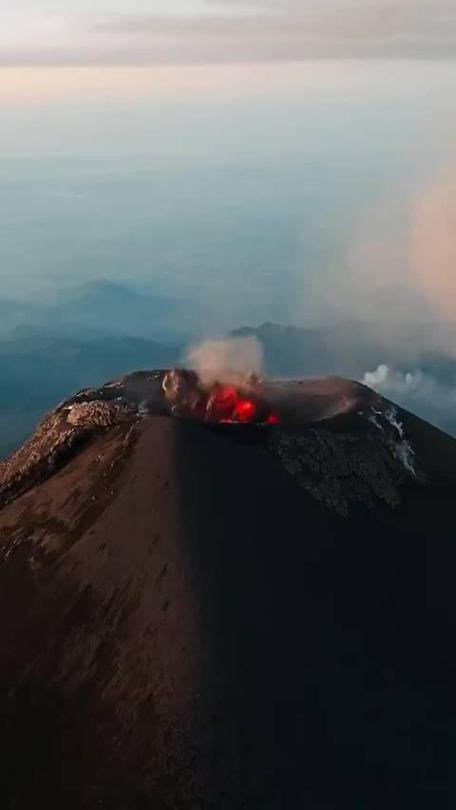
{"x":199,"y":31}
{"x":265,"y":193}
{"x":326,"y":170}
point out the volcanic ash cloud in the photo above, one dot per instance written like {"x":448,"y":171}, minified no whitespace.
{"x":225,"y":359}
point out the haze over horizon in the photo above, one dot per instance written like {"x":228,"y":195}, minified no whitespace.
{"x":243,"y":162}
{"x":283,"y":149}
{"x":301,"y":185}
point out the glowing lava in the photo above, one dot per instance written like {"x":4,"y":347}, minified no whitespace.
{"x":226,"y":405}
{"x":220,"y":403}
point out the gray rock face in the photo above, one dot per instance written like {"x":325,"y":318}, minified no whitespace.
{"x":355,"y":462}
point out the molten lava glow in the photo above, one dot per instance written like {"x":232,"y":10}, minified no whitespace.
{"x":222,"y":404}
{"x":227,"y":405}
{"x":188,"y":397}
{"x":245,"y":411}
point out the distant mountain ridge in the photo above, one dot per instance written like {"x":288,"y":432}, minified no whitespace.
{"x":347,"y":348}
{"x":102,"y":329}
{"x":103,"y":308}
{"x":37,"y":371}
{"x":422,"y":380}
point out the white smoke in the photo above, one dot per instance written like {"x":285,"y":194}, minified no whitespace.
{"x":417,"y":391}
{"x":226,"y":359}
{"x":386,"y":380}
{"x":416,"y":385}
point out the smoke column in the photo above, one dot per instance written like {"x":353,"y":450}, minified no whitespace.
{"x":225,"y":360}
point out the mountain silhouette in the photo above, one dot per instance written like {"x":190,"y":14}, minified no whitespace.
{"x":228,"y":616}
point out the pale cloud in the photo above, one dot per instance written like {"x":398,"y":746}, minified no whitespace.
{"x":400,"y":269}
{"x":142,"y":32}
{"x":433,"y":243}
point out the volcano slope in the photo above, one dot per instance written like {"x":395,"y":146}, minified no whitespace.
{"x":228,"y":616}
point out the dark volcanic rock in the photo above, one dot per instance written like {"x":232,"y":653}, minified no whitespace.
{"x":231,"y":616}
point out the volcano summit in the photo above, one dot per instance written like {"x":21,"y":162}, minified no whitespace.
{"x":228,"y":595}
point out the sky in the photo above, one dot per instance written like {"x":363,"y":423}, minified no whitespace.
{"x":83,"y":32}
{"x":272,"y":159}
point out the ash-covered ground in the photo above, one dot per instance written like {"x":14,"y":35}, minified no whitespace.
{"x":201,"y":614}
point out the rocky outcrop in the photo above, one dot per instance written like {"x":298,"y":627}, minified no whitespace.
{"x":56,"y":440}
{"x":361,"y":462}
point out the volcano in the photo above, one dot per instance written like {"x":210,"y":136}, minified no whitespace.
{"x":213,"y":604}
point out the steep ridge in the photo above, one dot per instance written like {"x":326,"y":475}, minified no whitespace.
{"x":228,"y":616}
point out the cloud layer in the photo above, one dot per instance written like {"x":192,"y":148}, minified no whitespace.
{"x":235,"y":31}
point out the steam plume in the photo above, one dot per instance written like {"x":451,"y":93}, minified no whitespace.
{"x":225,"y":360}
